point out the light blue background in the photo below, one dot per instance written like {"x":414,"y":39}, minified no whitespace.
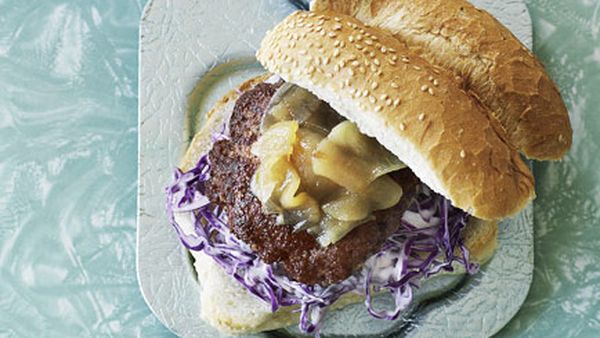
{"x":68,"y":149}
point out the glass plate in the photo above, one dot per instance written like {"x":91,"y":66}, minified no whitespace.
{"x":192,"y":53}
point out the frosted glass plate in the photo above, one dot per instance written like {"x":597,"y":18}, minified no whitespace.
{"x":191,"y":53}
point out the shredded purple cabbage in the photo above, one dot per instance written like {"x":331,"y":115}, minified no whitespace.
{"x":428,"y":242}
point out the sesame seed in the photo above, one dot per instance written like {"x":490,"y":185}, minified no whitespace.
{"x":392,"y":50}
{"x":342,"y":44}
{"x":318,"y":29}
{"x":430,"y":91}
{"x":424,"y":88}
{"x":337,"y":19}
{"x":347,"y":82}
{"x":369,"y":42}
{"x":374,"y":85}
{"x":337,"y":27}
{"x":311,"y":69}
{"x":388,"y":102}
{"x":359,"y":46}
{"x":351,"y":38}
{"x":329,"y":75}
{"x":336,"y":68}
{"x":376,"y":61}
{"x":350,"y":71}
{"x":352,"y":90}
{"x":394,"y":85}
{"x":384,"y":97}
{"x":374,"y":37}
{"x":417,"y":67}
{"x":373,"y":68}
{"x":402,"y":126}
{"x":430,"y":78}
{"x":326,"y":60}
{"x":321,"y":21}
{"x":392,"y":62}
{"x":396,"y":102}
{"x":378,"y":108}
{"x":322,"y":33}
{"x":394,"y":58}
{"x":336,"y":52}
{"x":365,"y":93}
{"x":383,"y":49}
{"x":359,"y":37}
{"x":302,"y":52}
{"x":405,"y":59}
{"x":436,"y":82}
{"x":463,"y":154}
{"x":331,"y":35}
{"x":421,"y":116}
{"x":372,"y":99}
{"x":336,"y":43}
{"x":371,"y":54}
{"x":355,"y":63}
{"x":362,"y":69}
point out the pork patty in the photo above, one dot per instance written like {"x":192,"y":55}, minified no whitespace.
{"x":298,"y":253}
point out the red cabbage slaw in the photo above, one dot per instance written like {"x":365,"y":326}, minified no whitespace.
{"x":428,"y":242}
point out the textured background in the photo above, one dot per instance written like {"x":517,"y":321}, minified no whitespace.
{"x":68,"y":148}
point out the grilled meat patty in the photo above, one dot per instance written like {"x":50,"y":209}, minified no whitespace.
{"x":298,"y":253}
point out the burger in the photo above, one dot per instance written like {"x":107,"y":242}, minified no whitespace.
{"x":354,"y":167}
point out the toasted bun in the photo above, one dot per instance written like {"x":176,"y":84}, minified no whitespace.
{"x":228,"y":306}
{"x":414,"y":109}
{"x":493,"y":63}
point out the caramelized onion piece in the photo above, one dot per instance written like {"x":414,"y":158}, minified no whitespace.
{"x":352,"y":159}
{"x":291,"y":102}
{"x":333,"y":229}
{"x":317,"y":186}
{"x":276,"y":182}
{"x":278,"y":141}
{"x":383,"y":193}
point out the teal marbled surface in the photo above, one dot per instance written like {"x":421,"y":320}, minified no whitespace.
{"x":68,"y":149}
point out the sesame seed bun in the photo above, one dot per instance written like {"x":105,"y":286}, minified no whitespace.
{"x":416,"y":110}
{"x":492,"y":62}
